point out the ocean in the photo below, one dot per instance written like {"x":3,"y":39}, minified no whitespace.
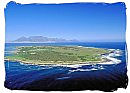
{"x":104,"y":77}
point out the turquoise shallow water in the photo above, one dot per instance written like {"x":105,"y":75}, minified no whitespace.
{"x":93,"y":77}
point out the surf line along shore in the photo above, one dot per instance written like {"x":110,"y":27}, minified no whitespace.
{"x":107,"y":54}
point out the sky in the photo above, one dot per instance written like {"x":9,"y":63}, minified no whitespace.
{"x":90,"y":22}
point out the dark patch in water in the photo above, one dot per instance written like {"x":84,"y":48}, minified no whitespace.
{"x":73,"y":84}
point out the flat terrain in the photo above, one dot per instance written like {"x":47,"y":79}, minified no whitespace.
{"x":58,"y":55}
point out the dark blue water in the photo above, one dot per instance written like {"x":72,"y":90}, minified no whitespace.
{"x":107,"y":77}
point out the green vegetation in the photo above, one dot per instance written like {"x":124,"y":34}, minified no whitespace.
{"x":58,"y":54}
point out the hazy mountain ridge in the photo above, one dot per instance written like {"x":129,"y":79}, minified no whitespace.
{"x":41,"y":39}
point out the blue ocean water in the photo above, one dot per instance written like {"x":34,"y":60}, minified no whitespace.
{"x":105,"y":77}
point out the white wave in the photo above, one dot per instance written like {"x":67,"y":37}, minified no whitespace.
{"x":81,"y":70}
{"x":71,"y":66}
{"x":63,"y":78}
{"x":94,"y":68}
{"x":111,"y":56}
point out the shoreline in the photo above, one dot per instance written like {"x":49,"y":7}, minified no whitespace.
{"x":29,"y":62}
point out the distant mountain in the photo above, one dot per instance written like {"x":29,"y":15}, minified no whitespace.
{"x":41,"y":39}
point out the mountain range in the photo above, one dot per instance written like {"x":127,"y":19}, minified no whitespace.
{"x":41,"y":39}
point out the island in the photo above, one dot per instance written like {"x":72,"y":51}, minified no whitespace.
{"x":62,"y":55}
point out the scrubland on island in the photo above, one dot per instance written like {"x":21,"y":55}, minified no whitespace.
{"x":58,"y":55}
